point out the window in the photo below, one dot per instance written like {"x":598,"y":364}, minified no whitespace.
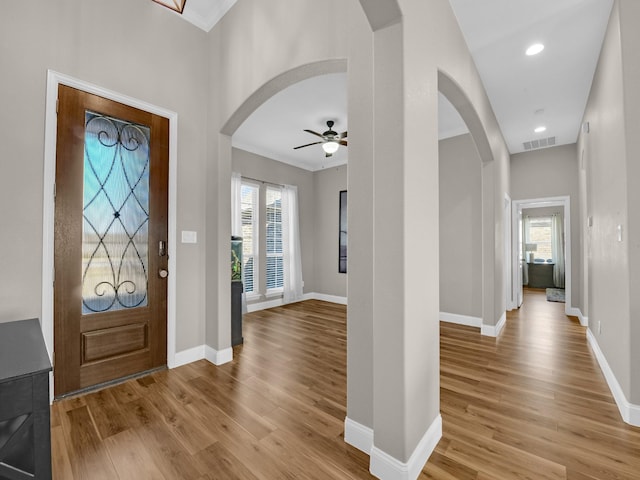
{"x":249,"y":208}
{"x":539,"y":233}
{"x":274,"y":239}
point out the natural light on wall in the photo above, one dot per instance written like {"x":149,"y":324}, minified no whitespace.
{"x":175,"y":5}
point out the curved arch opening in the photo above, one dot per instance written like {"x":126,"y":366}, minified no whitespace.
{"x":277,"y":84}
{"x":463,"y":258}
{"x":266,"y":179}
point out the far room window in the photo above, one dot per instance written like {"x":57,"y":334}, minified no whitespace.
{"x":539,"y":233}
{"x":274,"y":239}
{"x":249,"y":208}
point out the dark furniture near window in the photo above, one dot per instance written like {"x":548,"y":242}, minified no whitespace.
{"x":541,"y":275}
{"x":25,"y":435}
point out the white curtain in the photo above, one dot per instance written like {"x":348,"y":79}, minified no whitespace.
{"x":236,"y":219}
{"x":523,"y":259}
{"x":292,"y":258}
{"x":557,"y":250}
{"x":236,"y":209}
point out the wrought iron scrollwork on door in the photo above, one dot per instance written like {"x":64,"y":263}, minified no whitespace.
{"x":115,"y":213}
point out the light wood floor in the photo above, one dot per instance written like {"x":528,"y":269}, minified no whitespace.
{"x":530,"y":405}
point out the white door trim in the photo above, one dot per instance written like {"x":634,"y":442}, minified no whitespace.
{"x":48,"y":214}
{"x":510,"y":300}
{"x":518,"y":205}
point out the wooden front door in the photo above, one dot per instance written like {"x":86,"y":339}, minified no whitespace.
{"x":110,"y":290}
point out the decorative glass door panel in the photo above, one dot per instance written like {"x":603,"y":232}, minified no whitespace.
{"x":115,"y":214}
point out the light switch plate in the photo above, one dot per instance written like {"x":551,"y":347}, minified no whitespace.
{"x":189,"y":236}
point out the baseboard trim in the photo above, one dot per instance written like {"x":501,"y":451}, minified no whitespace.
{"x":188,"y":356}
{"x":461,"y":319}
{"x":494,"y":330}
{"x":575,"y":312}
{"x":255,"y":307}
{"x":387,"y":467}
{"x":278,"y":302}
{"x":358,"y":436}
{"x":328,"y":298}
{"x":630,"y":413}
{"x":218,"y":357}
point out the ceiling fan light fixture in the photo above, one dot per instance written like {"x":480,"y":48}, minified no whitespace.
{"x":534,"y":49}
{"x":330,"y":146}
{"x":175,"y":5}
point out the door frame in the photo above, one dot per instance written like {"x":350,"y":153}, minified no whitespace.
{"x":517,"y":206}
{"x":48,"y":217}
{"x":510,"y":303}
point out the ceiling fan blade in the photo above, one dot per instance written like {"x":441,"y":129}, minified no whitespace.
{"x":314,"y":133}
{"x":343,"y":134}
{"x":307,"y":145}
{"x":343,"y":142}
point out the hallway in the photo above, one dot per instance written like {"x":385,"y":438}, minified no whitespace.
{"x":531,"y":404}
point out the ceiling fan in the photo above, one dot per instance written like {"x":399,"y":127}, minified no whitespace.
{"x":331,"y":140}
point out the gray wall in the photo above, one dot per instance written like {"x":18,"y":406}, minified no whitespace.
{"x":609,"y":193}
{"x":553,"y":172}
{"x":328,"y":184}
{"x":134,"y":48}
{"x":268,"y":170}
{"x":460,"y":227}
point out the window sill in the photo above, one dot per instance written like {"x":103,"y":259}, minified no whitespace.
{"x":274,"y":293}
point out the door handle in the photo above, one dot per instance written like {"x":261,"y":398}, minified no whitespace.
{"x":162,"y":248}
{"x":162,"y":273}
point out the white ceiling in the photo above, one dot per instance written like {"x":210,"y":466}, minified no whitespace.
{"x":277,"y":126}
{"x":549,"y":89}
{"x":557,"y":81}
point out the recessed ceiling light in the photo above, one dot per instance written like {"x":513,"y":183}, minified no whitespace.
{"x":540,"y":129}
{"x":535,"y":49}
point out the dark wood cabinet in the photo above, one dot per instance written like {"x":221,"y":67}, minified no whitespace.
{"x":25,"y":432}
{"x":541,"y":275}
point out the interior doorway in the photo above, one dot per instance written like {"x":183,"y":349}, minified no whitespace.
{"x":518,"y":260}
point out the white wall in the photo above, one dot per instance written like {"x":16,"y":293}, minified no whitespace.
{"x":460,"y":227}
{"x":553,"y":172}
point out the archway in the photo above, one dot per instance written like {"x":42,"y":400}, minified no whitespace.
{"x":454,"y":93}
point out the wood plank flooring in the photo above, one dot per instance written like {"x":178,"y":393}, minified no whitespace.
{"x":530,"y":405}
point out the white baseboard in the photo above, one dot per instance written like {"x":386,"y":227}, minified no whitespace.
{"x":630,"y":413}
{"x":218,"y":357}
{"x":278,"y":302}
{"x":187,"y":356}
{"x":461,"y":319}
{"x":575,"y":312}
{"x":254,"y":307}
{"x":327,"y":298}
{"x":494,"y":330}
{"x":357,"y":435}
{"x":386,"y":467}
